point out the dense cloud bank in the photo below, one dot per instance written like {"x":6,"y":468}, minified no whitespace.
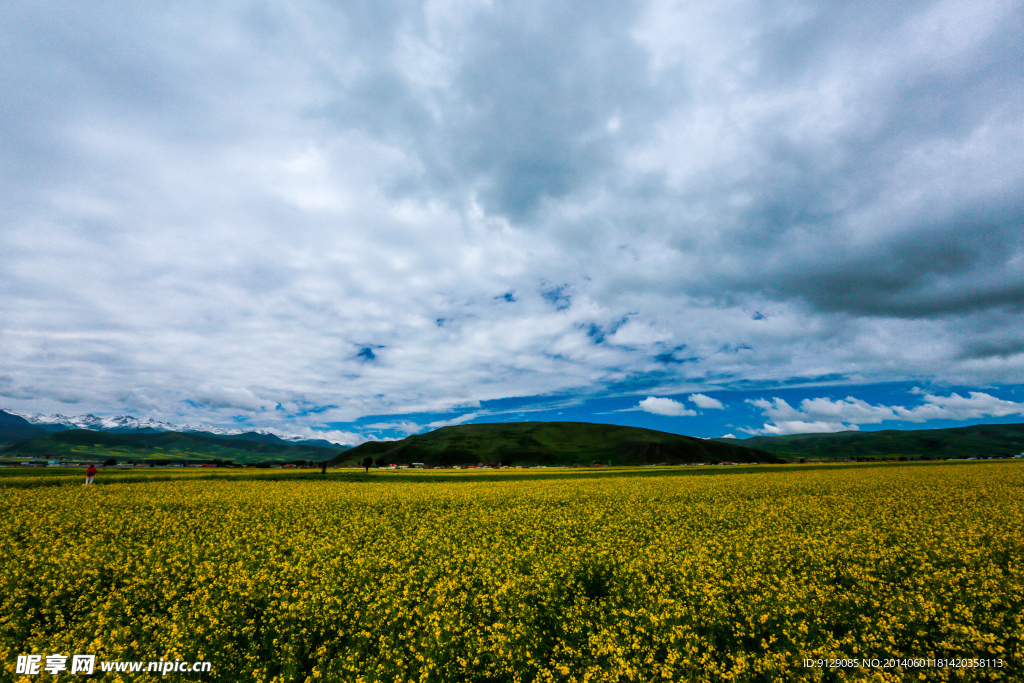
{"x":321,"y":211}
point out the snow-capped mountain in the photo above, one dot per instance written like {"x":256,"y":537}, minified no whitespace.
{"x":127,"y":423}
{"x":206,"y":428}
{"x":117,"y":423}
{"x":40,"y":419}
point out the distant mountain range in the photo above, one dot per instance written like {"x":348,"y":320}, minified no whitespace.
{"x":115,"y":424}
{"x":566,"y":443}
{"x":551,"y":443}
{"x":16,"y":427}
{"x":166,"y":447}
{"x":556,"y":443}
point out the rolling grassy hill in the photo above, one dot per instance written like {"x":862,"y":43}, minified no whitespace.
{"x":167,"y":446}
{"x":955,"y":442}
{"x":550,"y":443}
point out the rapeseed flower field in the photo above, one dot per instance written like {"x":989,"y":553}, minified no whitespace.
{"x":697,"y":575}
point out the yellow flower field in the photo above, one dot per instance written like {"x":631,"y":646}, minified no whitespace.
{"x":655,"y":575}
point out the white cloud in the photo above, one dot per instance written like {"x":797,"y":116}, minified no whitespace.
{"x":847,"y":410}
{"x":703,"y":401}
{"x":404,"y":426}
{"x":665,"y":406}
{"x":827,"y":415}
{"x":955,"y":407}
{"x":638,"y":179}
{"x":776,"y":409}
{"x":454,"y":421}
{"x":635,"y":333}
{"x":233,"y":398}
{"x":800,"y":427}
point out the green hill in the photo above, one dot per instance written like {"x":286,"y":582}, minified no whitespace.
{"x":551,"y":443}
{"x":169,"y":446}
{"x":975,"y":441}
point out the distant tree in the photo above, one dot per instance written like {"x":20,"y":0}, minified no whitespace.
{"x":380,"y":462}
{"x":110,"y":462}
{"x":367,"y":463}
{"x":323,"y":467}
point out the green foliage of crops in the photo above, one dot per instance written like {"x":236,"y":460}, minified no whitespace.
{"x":615,"y":577}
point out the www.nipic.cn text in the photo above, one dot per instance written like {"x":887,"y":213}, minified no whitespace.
{"x":32,"y":665}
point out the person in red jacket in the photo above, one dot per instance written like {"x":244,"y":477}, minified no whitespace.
{"x":90,"y":474}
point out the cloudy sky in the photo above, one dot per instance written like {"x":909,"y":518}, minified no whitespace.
{"x":363,"y":220}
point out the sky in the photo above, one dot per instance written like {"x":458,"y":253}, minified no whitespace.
{"x":362,"y":220}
